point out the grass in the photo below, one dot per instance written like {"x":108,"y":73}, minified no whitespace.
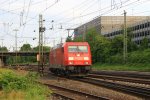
{"x":21,"y":87}
{"x":122,"y":67}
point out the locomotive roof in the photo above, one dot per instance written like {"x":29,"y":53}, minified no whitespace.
{"x":75,"y":43}
{"x":63,"y":44}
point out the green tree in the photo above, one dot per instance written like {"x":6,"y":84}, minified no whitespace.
{"x":100,"y":46}
{"x":26,"y":47}
{"x":144,"y":44}
{"x":69,"y":39}
{"x":78,"y":39}
{"x":131,"y":46}
{"x":26,"y":59}
{"x":45,"y":48}
{"x":117,"y":45}
{"x":3,"y":48}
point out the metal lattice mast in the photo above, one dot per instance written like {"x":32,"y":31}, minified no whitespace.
{"x":41,"y":30}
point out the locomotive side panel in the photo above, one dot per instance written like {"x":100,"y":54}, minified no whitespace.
{"x":51,"y":57}
{"x":59,"y":56}
{"x":56,"y":58}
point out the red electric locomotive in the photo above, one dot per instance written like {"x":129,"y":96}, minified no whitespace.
{"x":70,"y":58}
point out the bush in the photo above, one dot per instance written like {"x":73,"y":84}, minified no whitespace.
{"x":139,"y":56}
{"x":133,"y":57}
{"x":115,"y":59}
{"x":10,"y":81}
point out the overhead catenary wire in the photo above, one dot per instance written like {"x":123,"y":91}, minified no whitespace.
{"x":75,"y":17}
{"x":76,"y":7}
{"x":65,"y":21}
{"x":134,"y":4}
{"x":31,"y":18}
{"x":82,"y":16}
{"x":3,"y":5}
{"x":122,"y":2}
{"x":26,"y":16}
{"x":106,"y":12}
{"x":89,"y":6}
{"x":93,"y":12}
{"x":10,"y":11}
{"x":109,"y":11}
{"x":41,"y":12}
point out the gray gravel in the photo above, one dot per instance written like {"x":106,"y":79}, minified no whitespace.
{"x":97,"y":90}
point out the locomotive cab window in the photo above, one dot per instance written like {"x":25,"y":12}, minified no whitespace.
{"x":72,"y":48}
{"x":82,"y":48}
{"x":77,"y":48}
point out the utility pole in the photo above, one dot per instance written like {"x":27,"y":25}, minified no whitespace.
{"x":68,"y":32}
{"x":41,"y":30}
{"x":84,"y":33}
{"x":61,"y":40}
{"x":125,"y":39}
{"x":16,"y":43}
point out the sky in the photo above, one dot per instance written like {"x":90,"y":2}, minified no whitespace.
{"x":59,"y":15}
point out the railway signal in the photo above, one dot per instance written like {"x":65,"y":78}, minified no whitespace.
{"x":41,"y":30}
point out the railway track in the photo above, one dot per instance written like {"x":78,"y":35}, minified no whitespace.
{"x":70,"y":94}
{"x":140,"y":75}
{"x":61,"y":96}
{"x":138,"y":91}
{"x":120,"y":78}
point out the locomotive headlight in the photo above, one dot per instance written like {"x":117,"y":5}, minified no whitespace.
{"x":70,"y":62}
{"x":71,"y":58}
{"x":86,"y":62}
{"x":86,"y":58}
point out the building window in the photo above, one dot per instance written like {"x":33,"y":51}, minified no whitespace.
{"x":146,"y":33}
{"x":143,"y":34}
{"x":136,"y":27}
{"x":146,"y":25}
{"x":138,"y":34}
{"x":142,"y":25}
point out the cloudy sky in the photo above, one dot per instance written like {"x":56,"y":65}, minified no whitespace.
{"x":23,"y":15}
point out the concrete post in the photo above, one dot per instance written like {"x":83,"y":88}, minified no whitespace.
{"x":1,"y":63}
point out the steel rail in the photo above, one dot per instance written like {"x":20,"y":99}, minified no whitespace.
{"x":141,"y":75}
{"x":63,"y":97}
{"x":118,"y":78}
{"x":81,"y":93}
{"x":138,"y":91}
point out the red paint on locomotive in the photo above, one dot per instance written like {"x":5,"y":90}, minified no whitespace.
{"x":71,"y":55}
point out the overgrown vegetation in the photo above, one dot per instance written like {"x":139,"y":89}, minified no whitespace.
{"x":122,"y":67}
{"x":16,"y":87}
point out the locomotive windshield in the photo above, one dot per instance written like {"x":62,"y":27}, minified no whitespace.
{"x":78,"y":49}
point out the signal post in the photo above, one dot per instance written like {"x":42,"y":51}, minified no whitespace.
{"x":40,"y":55}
